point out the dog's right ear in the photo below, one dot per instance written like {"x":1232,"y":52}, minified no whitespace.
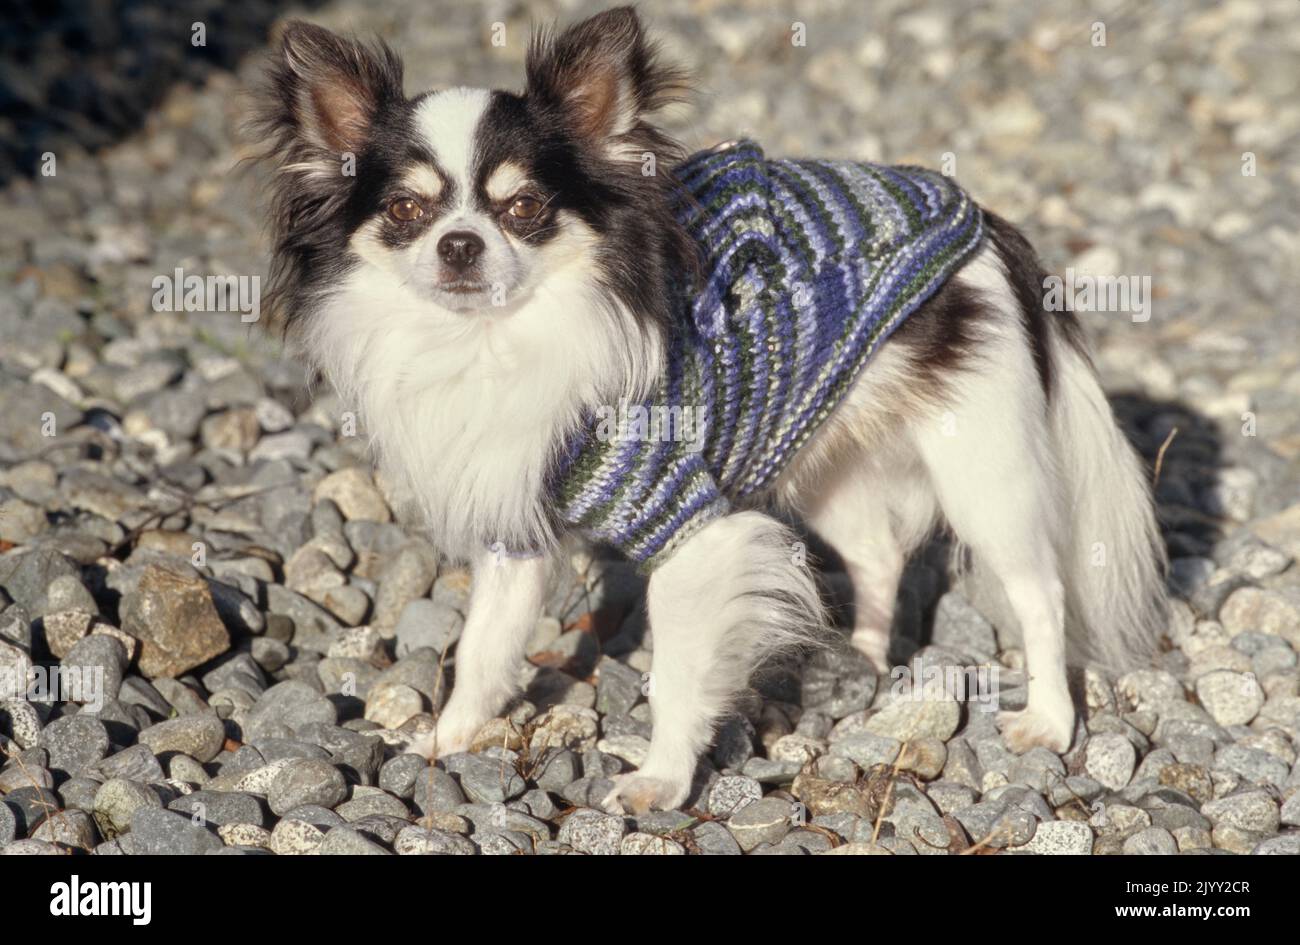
{"x":325,"y":91}
{"x":311,"y":119}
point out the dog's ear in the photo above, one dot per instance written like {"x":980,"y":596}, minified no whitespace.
{"x":603,"y":74}
{"x":316,"y":107}
{"x":327,"y":90}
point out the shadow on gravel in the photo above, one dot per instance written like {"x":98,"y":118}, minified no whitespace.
{"x":1188,"y":473}
{"x":75,"y":73}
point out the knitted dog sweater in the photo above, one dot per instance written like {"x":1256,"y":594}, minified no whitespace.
{"x":808,"y":266}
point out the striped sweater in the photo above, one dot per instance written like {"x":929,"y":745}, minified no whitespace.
{"x":808,"y":267}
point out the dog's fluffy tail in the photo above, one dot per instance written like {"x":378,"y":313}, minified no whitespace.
{"x":1111,"y":554}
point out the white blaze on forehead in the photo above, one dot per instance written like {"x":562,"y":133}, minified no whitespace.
{"x":506,"y":181}
{"x":447,"y":121}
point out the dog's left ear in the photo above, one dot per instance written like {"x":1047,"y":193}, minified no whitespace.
{"x":603,"y":75}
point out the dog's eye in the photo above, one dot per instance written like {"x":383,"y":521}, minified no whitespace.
{"x":525,"y":207}
{"x":405,"y":210}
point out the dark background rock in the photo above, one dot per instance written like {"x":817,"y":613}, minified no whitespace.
{"x":86,"y":72}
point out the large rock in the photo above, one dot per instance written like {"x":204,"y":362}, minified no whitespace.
{"x":175,"y":620}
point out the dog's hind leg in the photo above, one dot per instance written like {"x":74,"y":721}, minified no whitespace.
{"x":1000,"y":512}
{"x":735,"y":592}
{"x":995,"y":475}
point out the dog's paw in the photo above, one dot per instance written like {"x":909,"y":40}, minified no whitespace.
{"x":637,"y":793}
{"x":444,"y":739}
{"x":1030,"y":728}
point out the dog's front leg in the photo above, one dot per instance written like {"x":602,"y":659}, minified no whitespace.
{"x":504,"y":605}
{"x":735,"y":592}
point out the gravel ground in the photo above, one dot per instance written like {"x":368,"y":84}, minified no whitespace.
{"x":185,"y":529}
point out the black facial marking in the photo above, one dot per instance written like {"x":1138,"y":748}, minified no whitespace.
{"x":314,"y":213}
{"x":509,"y":133}
{"x":643,"y":248}
{"x":395,"y":233}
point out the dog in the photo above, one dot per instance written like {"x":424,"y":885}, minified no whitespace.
{"x":499,"y":266}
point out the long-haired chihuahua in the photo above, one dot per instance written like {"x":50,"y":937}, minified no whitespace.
{"x":502,"y":267}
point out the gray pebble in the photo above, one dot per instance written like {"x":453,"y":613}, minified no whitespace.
{"x":484,"y":779}
{"x":436,"y":791}
{"x":70,"y":828}
{"x":366,"y":805}
{"x":101,"y":662}
{"x":712,"y":838}
{"x":315,"y":815}
{"x":116,"y":802}
{"x":1252,"y":810}
{"x":731,"y":793}
{"x":1110,"y":758}
{"x":1065,"y":837}
{"x":398,"y":776}
{"x":220,"y":808}
{"x":344,"y":841}
{"x":1153,"y":841}
{"x":75,"y":742}
{"x":764,"y":821}
{"x":306,"y":781}
{"x":199,"y":736}
{"x":427,"y":623}
{"x":593,"y":832}
{"x":159,"y":832}
{"x":421,"y":841}
{"x":296,"y":838}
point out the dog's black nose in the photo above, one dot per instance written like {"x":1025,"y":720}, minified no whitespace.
{"x":460,"y":248}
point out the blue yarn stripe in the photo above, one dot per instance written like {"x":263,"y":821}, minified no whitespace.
{"x":809,"y":266}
